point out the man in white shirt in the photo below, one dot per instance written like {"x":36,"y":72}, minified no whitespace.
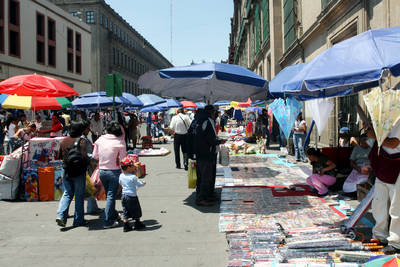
{"x":96,"y":126}
{"x":386,"y":202}
{"x":180,"y":124}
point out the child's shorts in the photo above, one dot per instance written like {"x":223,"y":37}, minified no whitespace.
{"x":131,"y":207}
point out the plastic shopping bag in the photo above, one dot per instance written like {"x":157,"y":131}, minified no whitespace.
{"x":192,"y":175}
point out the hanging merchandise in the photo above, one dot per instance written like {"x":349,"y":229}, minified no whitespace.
{"x":192,"y":176}
{"x":384,"y":110}
{"x":286,"y":114}
{"x":320,"y":110}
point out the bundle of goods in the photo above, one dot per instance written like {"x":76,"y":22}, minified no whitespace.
{"x":241,"y":147}
{"x":147,"y":142}
{"x":152,"y":152}
{"x":9,"y":175}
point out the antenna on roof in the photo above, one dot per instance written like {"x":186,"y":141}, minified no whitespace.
{"x":171,"y":32}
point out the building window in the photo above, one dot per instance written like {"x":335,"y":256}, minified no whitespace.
{"x":70,"y":50}
{"x":101,"y":19}
{"x":111,"y":26}
{"x":113,"y":55}
{"x":40,"y":47}
{"x":289,"y":23}
{"x":90,"y":17}
{"x":324,"y":3}
{"x":265,"y":19}
{"x":126,"y":62}
{"x":106,"y":22}
{"x":74,"y":14}
{"x":51,"y":41}
{"x":2,"y":26}
{"x":78,"y":51}
{"x":14,"y":28}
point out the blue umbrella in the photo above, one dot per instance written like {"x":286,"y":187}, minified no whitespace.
{"x":275,"y":89}
{"x":151,"y":109}
{"x":200,"y":104}
{"x":256,"y":110}
{"x":150,"y":99}
{"x":98,"y":100}
{"x":257,"y":102}
{"x":222,"y":103}
{"x":214,"y":81}
{"x":349,"y":66}
{"x":170,"y":103}
{"x":134,"y":101}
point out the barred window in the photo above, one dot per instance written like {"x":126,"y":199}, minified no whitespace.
{"x":90,"y":17}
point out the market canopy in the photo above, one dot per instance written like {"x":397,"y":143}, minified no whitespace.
{"x":98,"y":100}
{"x":170,"y":103}
{"x":35,"y":85}
{"x":349,"y":66}
{"x":188,"y":104}
{"x":33,"y":102}
{"x":275,"y":86}
{"x":151,"y":100}
{"x":134,"y":101}
{"x":222,"y":103}
{"x":151,"y":109}
{"x":200,"y":104}
{"x":213,"y":81}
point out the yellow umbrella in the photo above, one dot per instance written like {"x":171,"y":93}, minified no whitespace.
{"x":234,"y":103}
{"x":17,"y":102}
{"x":384,"y":109}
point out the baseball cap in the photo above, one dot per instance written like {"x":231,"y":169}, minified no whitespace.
{"x":127,"y":161}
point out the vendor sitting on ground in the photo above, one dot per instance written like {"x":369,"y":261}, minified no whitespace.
{"x":360,"y":163}
{"x":323,"y":171}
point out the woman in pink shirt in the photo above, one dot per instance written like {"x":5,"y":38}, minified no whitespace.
{"x":109,"y":150}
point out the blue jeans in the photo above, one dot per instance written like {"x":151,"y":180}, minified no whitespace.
{"x":73,"y":186}
{"x":110,"y":181}
{"x":298,"y":146}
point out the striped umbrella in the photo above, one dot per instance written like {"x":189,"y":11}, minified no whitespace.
{"x":33,"y":102}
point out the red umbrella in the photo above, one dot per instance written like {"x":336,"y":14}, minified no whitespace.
{"x":188,"y":104}
{"x":35,"y":85}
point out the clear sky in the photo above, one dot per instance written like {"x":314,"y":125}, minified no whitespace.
{"x":200,"y":28}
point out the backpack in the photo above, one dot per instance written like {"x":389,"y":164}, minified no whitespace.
{"x":75,"y":163}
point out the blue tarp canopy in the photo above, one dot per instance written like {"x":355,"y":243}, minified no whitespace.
{"x":98,"y":100}
{"x":349,"y":66}
{"x":134,"y":101}
{"x":170,"y":103}
{"x":214,"y":81}
{"x":151,"y":100}
{"x":200,"y":105}
{"x":151,"y":109}
{"x":222,"y":103}
{"x":275,"y":88}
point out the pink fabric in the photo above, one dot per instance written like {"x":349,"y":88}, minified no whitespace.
{"x":106,"y":150}
{"x":321,"y":182}
{"x":355,"y":178}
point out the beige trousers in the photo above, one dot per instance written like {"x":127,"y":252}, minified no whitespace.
{"x":385,"y":205}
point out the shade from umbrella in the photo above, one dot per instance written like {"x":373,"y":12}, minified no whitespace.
{"x":134,"y":101}
{"x":98,"y":100}
{"x":170,"y":103}
{"x":215,"y":81}
{"x":150,"y":99}
{"x":384,"y":110}
{"x":200,"y":104}
{"x":188,"y":104}
{"x":351,"y":65}
{"x":33,"y":102}
{"x":35,"y":85}
{"x":151,"y":109}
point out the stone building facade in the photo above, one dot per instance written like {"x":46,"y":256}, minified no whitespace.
{"x":268,"y":35}
{"x":39,"y":37}
{"x":116,"y":46}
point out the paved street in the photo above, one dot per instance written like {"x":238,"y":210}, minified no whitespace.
{"x":178,"y":233}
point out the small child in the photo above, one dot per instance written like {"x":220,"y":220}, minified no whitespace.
{"x":130,"y":201}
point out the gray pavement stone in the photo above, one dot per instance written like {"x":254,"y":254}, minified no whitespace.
{"x":178,"y":232}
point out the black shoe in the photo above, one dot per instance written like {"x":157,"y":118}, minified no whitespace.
{"x":84,"y":224}
{"x":323,"y":195}
{"x":127,"y":227}
{"x":139,"y":225}
{"x":60,"y":222}
{"x":186,"y":168}
{"x":390,"y":250}
{"x":178,"y":167}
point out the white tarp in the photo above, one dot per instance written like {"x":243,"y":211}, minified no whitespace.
{"x":320,"y":110}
